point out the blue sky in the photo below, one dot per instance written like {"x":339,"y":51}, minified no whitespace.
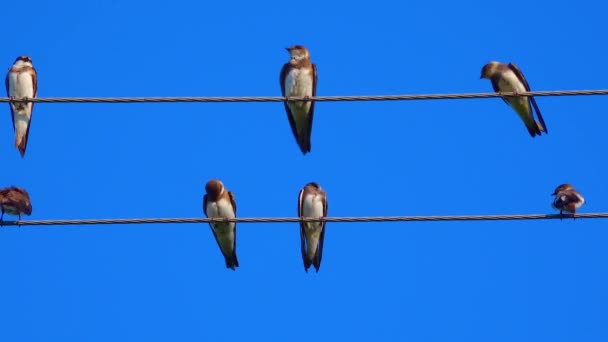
{"x":437,"y":281}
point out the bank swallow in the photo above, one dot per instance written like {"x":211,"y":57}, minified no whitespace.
{"x":15,"y":201}
{"x":299,"y":79}
{"x":508,"y":78}
{"x":312,"y":202}
{"x":567,"y":199}
{"x":21,"y":82}
{"x":219,"y":203}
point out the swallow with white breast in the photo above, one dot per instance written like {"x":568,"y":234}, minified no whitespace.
{"x":219,"y":203}
{"x":21,"y":82}
{"x":312,"y":203}
{"x":299,"y":79}
{"x":508,"y":78}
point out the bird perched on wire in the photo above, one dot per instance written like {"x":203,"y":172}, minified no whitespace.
{"x":312,"y":203}
{"x":15,"y":201}
{"x":508,"y":78}
{"x":21,"y":82}
{"x":219,"y":203}
{"x":299,"y":79}
{"x":567,"y":199}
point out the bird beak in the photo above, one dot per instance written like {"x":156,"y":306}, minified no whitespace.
{"x":480,"y":77}
{"x":288,"y":49}
{"x":554,"y":193}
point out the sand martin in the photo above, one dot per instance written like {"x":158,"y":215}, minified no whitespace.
{"x":508,"y":78}
{"x":21,"y":82}
{"x":312,"y":202}
{"x":299,"y":79}
{"x":219,"y":202}
{"x":567,"y":199}
{"x":15,"y":201}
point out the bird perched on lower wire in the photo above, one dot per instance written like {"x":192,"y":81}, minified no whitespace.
{"x":15,"y":201}
{"x":567,"y":199}
{"x":312,"y":203}
{"x":299,"y":79}
{"x":508,"y":78}
{"x":220,"y":203}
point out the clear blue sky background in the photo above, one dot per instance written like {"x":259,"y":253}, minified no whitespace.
{"x":463,"y":281}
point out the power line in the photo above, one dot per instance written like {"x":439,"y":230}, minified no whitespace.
{"x":316,"y":98}
{"x":297,"y":219}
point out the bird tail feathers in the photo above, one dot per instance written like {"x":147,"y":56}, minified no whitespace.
{"x":232,"y":262}
{"x":21,"y":134}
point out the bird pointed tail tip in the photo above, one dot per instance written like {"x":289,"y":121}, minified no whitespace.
{"x":317,"y":262}
{"x":535,"y":130}
{"x":232,"y":263}
{"x":541,"y":129}
{"x":20,"y":145}
{"x":307,"y":264}
{"x":305,"y":149}
{"x":304,"y":145}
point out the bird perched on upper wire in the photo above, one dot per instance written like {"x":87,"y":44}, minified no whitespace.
{"x":567,"y":199}
{"x":299,"y":79}
{"x":21,"y":82}
{"x":15,"y":201}
{"x":509,"y":78}
{"x":218,"y":202}
{"x":312,"y":203}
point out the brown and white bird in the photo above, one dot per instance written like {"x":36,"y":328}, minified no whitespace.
{"x":299,"y":79}
{"x":567,"y":199}
{"x":508,"y":78}
{"x":219,"y":203}
{"x":312,"y":202}
{"x":15,"y":201}
{"x":21,"y":82}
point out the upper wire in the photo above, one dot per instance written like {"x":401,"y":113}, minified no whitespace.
{"x":306,"y":219}
{"x":314,"y":98}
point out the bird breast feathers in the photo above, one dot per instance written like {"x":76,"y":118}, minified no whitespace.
{"x":21,"y":84}
{"x":312,"y":206}
{"x":510,"y":82}
{"x":221,"y":208}
{"x":298,"y":82}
